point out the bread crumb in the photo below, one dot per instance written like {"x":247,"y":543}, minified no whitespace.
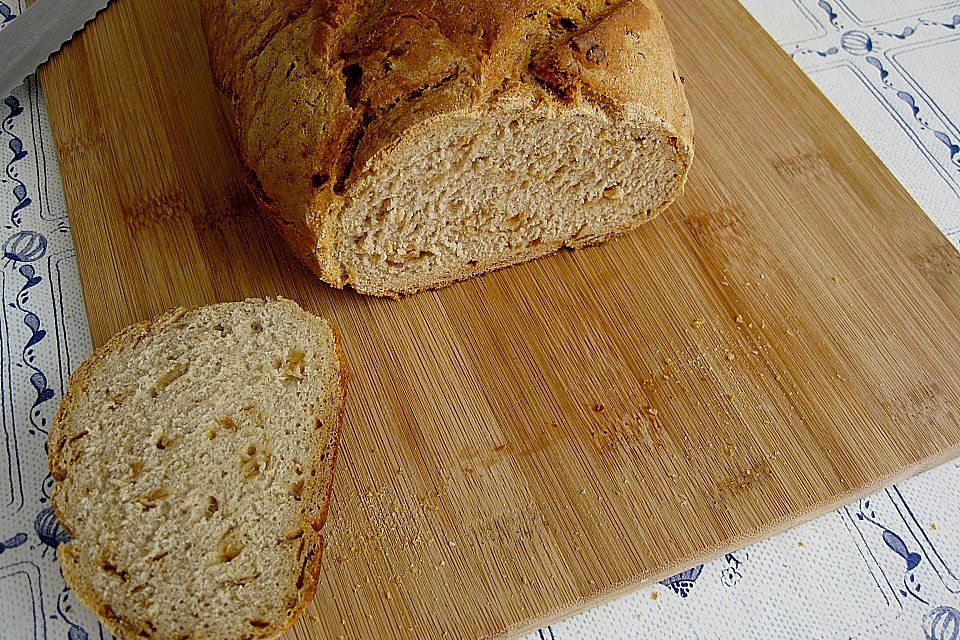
{"x":699,"y":323}
{"x":739,"y":319}
{"x":599,"y":408}
{"x":933,"y":526}
{"x":654,"y":596}
{"x":730,"y":356}
{"x":801,"y":543}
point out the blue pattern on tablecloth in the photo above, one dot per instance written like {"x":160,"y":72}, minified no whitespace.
{"x":886,"y":567}
{"x":43,"y":336}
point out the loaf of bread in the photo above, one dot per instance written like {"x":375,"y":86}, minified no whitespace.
{"x":194,"y":457}
{"x":405,"y":144}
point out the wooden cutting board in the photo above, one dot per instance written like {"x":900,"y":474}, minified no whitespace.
{"x":545,"y":438}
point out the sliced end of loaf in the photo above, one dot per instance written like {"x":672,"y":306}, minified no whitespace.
{"x":194,"y":456}
{"x":464,"y":194}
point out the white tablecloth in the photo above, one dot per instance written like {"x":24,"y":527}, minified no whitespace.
{"x":885,"y":567}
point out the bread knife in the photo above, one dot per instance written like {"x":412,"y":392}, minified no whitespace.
{"x":29,"y":39}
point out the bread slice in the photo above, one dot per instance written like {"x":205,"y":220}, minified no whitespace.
{"x":194,"y":457}
{"x":406,"y":145}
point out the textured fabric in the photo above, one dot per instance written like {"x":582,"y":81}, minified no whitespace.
{"x":43,"y":336}
{"x":887,"y":567}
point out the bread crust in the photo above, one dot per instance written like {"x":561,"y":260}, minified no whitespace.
{"x":313,"y":512}
{"x":322,"y":89}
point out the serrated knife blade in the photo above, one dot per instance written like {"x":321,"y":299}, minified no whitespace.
{"x":38,"y":32}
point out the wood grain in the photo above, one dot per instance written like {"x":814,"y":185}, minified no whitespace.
{"x":524,"y":445}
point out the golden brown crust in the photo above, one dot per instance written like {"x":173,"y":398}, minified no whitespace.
{"x":79,"y":382}
{"x":320,"y":88}
{"x":334,"y":440}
